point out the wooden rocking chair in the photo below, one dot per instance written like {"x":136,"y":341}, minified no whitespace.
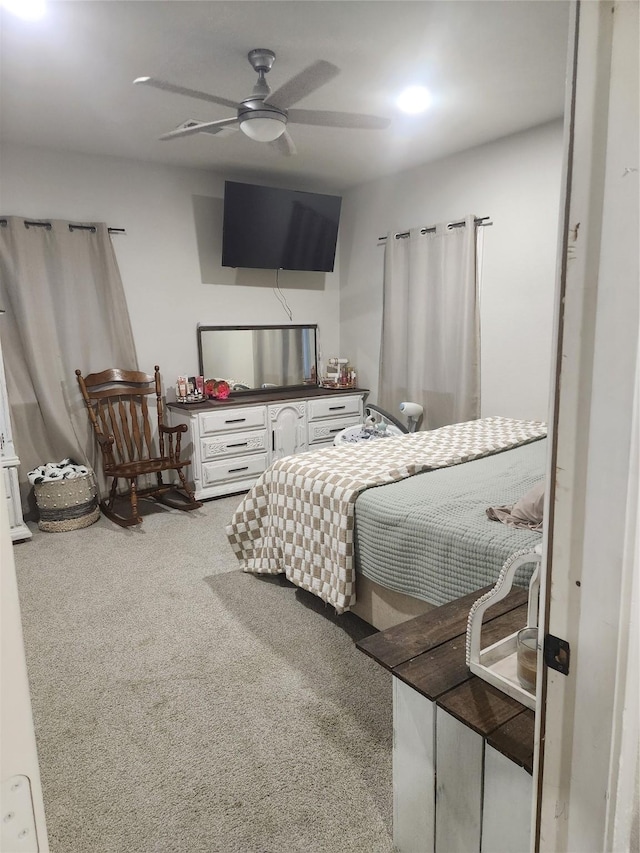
{"x":117,"y":405}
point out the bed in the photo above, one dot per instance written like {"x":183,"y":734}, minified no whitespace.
{"x":390,"y":528}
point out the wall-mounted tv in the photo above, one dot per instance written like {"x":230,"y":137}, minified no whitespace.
{"x":270,"y":228}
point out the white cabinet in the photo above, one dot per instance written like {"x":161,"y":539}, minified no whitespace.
{"x":10,"y":462}
{"x":451,"y":790}
{"x":462,"y":749}
{"x":288,"y":429}
{"x":507,"y":788}
{"x":327,"y":416}
{"x":229,"y":475}
{"x":414,"y":770}
{"x":458,"y":802}
{"x":228,"y":447}
{"x":232,"y":443}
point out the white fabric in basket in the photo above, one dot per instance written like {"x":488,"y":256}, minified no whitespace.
{"x":63,"y":470}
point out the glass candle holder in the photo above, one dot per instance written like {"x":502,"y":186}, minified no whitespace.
{"x":527,"y":658}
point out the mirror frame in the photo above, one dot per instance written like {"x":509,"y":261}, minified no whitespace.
{"x":314,"y":326}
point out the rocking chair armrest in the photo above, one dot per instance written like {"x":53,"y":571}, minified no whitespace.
{"x":105,"y":441}
{"x":173,"y":430}
{"x":173,"y":452}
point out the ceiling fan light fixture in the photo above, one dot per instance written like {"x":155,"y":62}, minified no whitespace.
{"x":28,"y":10}
{"x":263,"y":125}
{"x":414,"y":100}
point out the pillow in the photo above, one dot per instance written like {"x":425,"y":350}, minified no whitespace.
{"x":530,"y":506}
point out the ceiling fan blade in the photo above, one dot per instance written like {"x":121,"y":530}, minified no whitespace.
{"x":303,"y":84}
{"x":284,"y":144}
{"x":198,"y":127}
{"x":181,"y":90}
{"x":329,"y":118}
{"x":232,"y":127}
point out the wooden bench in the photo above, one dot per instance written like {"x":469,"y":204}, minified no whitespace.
{"x":462,"y":750}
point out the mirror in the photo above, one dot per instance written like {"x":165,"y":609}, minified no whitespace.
{"x":256,"y":358}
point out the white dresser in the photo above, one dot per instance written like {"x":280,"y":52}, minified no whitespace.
{"x":10,"y":462}
{"x":231,"y":442}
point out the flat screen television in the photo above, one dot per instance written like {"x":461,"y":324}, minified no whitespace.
{"x":270,"y":228}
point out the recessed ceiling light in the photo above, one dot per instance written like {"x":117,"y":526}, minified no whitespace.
{"x":414,"y":99}
{"x":29,"y":10}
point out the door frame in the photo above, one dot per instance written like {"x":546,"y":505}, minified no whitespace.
{"x":585,"y":766}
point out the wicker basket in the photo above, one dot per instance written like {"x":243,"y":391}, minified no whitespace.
{"x":67,"y":504}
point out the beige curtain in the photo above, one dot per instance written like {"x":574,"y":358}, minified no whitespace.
{"x":430,"y":351}
{"x":65,"y":309}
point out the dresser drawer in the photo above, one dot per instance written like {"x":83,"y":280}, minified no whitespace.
{"x":324,"y":432}
{"x":233,"y":444}
{"x":231,"y":470}
{"x":333,"y":407}
{"x":225,"y":420}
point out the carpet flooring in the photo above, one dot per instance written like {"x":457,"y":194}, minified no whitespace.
{"x":182,"y":705}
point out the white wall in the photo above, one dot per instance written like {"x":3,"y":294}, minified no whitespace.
{"x":169,"y":258}
{"x":515,"y":181}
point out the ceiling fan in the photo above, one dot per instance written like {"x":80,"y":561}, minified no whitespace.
{"x":264,"y":115}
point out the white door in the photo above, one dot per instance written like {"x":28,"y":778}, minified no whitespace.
{"x":586,"y":764}
{"x":22,"y":824}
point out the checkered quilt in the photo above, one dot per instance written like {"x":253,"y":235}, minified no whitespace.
{"x":299,"y":516}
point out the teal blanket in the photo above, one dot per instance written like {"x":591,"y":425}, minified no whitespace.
{"x":429,"y":535}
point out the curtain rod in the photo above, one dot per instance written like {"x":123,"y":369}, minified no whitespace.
{"x":30,"y":222}
{"x":482,"y":220}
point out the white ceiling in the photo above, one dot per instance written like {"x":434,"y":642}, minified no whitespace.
{"x":494,"y":68}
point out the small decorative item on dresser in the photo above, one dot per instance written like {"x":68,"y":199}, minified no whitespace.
{"x":190,"y":390}
{"x":66,"y":496}
{"x":339,"y":374}
{"x":222,"y":390}
{"x":216,"y":389}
